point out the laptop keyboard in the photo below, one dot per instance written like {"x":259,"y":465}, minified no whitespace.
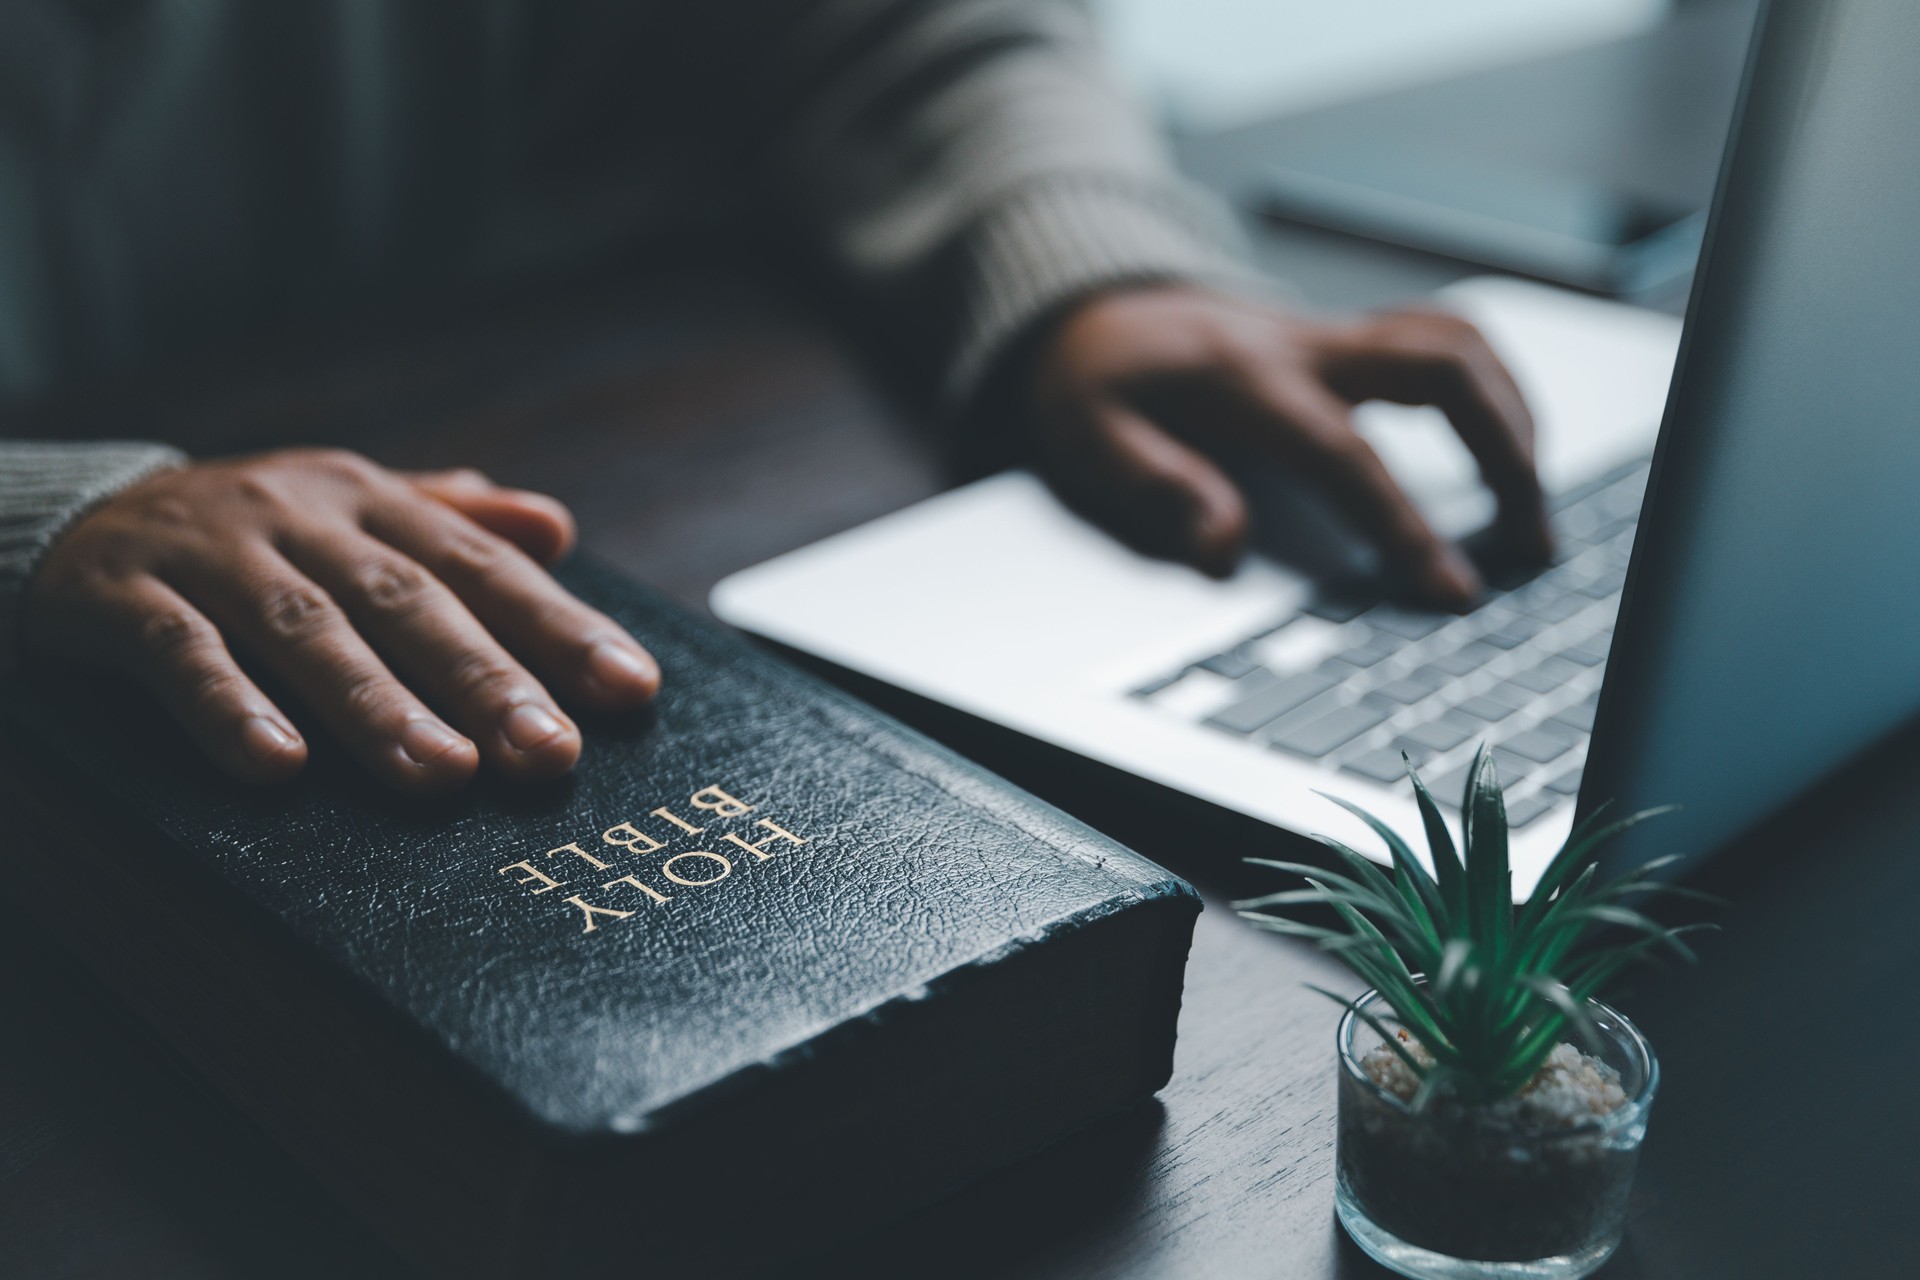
{"x":1351,"y":684}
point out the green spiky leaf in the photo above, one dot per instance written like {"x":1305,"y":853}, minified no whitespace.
{"x":1446,"y":862}
{"x":1487,"y":990}
{"x":1416,"y":887}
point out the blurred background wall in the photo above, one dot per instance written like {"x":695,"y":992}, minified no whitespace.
{"x":1206,"y":65}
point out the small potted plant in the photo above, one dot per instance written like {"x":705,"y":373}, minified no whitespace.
{"x":1491,"y":1109}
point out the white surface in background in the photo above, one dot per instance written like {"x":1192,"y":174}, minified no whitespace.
{"x":1587,"y":368}
{"x":1212,"y":64}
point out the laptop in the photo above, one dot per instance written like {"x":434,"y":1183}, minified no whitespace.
{"x":1733,"y":613}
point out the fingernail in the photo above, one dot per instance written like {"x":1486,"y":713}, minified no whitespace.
{"x":1452,"y":578}
{"x":265,"y":739}
{"x":425,"y":741}
{"x":619,"y":668}
{"x":530,"y":724}
{"x":1216,"y":533}
{"x":1217,"y":560}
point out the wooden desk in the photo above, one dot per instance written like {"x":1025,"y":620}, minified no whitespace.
{"x":696,"y":425}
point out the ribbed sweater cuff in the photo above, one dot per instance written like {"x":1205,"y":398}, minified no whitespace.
{"x":44,"y":487}
{"x":1054,"y":242}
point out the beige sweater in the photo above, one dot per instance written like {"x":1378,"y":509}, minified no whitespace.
{"x":175,"y":171}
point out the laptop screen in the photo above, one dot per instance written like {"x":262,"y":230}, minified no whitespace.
{"x":1768,"y":628}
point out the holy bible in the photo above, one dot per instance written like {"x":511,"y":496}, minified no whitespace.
{"x":764,"y":970}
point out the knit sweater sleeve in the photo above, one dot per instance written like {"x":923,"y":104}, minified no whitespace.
{"x":44,"y":488}
{"x":968,"y":167}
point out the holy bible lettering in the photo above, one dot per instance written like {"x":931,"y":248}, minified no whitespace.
{"x":630,"y":892}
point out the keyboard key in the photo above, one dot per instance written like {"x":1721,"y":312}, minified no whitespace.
{"x":1412,"y":687}
{"x":1580,"y":715}
{"x":1578,"y":523}
{"x":1337,"y":667}
{"x":1566,"y":784}
{"x":1379,"y":765}
{"x":1337,"y":727}
{"x":1508,"y":767}
{"x":1590,"y":652}
{"x":1484,"y":709}
{"x":1448,"y":786}
{"x":1543,"y":742}
{"x":1545,"y":676}
{"x":1621,"y":501}
{"x":1232,"y":664}
{"x":1312,"y":709}
{"x":1258,"y":678}
{"x":1384,"y":705}
{"x":1529,"y":808}
{"x":1405,"y":624}
{"x":1372,"y":648}
{"x":1513,"y":633}
{"x":1558,"y":607}
{"x":1469,"y":658}
{"x":1414,"y":751}
{"x":1607,"y":584}
{"x":1514,"y":694}
{"x":1519,"y":601}
{"x":1439,"y":735}
{"x":1269,"y":703}
{"x":1615,"y":528}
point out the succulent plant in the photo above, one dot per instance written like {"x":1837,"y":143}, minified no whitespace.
{"x":1500,"y":986}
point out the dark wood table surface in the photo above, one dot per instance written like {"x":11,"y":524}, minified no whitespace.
{"x":696,"y":424}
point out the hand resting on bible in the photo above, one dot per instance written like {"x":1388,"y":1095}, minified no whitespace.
{"x":410,"y":614}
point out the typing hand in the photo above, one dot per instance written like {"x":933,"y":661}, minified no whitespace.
{"x":1133,"y":388}
{"x":409,"y":614}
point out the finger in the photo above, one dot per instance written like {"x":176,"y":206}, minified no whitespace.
{"x":271,"y":610}
{"x":577,"y":651}
{"x":1315,"y":431}
{"x":1154,"y":491}
{"x":1441,"y":360}
{"x":439,"y":648}
{"x":540,"y":526}
{"x":171,"y":648}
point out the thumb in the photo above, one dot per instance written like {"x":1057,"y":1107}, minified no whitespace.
{"x":1154,"y":491}
{"x":540,"y":526}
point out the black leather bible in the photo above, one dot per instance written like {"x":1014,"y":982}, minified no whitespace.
{"x":767,"y":969}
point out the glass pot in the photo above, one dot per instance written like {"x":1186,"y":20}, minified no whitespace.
{"x":1451,"y":1193}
